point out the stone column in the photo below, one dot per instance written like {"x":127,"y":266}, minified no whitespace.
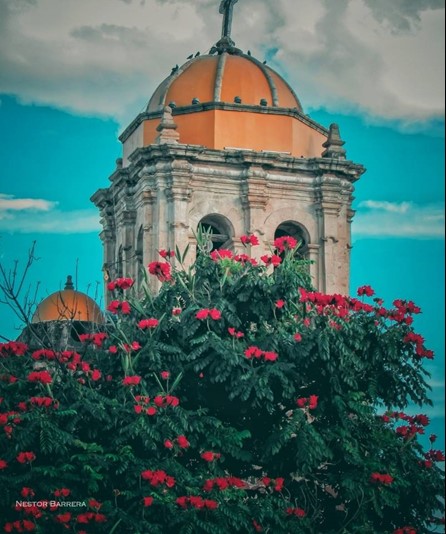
{"x":255,"y":198}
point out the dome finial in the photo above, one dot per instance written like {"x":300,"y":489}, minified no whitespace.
{"x":226,"y":44}
{"x":69,"y":282}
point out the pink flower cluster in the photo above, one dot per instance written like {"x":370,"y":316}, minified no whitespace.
{"x":255,"y":352}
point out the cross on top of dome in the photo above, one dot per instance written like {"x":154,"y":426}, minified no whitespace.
{"x":226,"y":44}
{"x":227,"y":9}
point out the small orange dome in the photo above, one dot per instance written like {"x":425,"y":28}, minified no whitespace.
{"x":68,"y":305}
{"x":224,"y":78}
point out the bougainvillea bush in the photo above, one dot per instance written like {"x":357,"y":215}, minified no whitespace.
{"x":237,"y":399}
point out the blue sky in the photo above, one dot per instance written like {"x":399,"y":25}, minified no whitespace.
{"x":68,"y":89}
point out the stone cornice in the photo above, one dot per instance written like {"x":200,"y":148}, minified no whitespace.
{"x":224,"y":106}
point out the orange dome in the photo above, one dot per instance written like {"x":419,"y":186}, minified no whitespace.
{"x":229,"y":100}
{"x":224,"y":78}
{"x":68,"y":305}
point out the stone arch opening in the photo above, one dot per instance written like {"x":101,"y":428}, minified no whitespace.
{"x":299,"y":232}
{"x":219,"y":229}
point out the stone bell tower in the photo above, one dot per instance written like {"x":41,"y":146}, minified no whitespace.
{"x":224,"y":143}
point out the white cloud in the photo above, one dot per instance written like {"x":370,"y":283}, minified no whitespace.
{"x":9,"y":203}
{"x":392,"y":207}
{"x":403,"y":220}
{"x":107,"y":56}
{"x":51,"y":222}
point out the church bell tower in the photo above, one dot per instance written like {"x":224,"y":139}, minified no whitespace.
{"x":224,"y":143}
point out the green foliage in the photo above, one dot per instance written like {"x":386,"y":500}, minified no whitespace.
{"x":277,"y":385}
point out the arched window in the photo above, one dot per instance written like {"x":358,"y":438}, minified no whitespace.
{"x":299,"y":233}
{"x":219,"y":229}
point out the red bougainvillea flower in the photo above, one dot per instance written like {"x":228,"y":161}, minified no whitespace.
{"x":15,"y":348}
{"x":161,"y":270}
{"x":156,"y":478}
{"x":166,"y":253}
{"x":165,"y":375}
{"x":270,"y":356}
{"x":298,"y":512}
{"x":297,"y":337}
{"x":96,"y":375}
{"x":205,"y":313}
{"x":209,"y":456}
{"x":168,"y":444}
{"x":310,"y":402}
{"x":43,"y":354}
{"x":196,"y":502}
{"x":176,"y":311}
{"x":273,"y":260}
{"x":183,"y":443}
{"x":120,"y":283}
{"x":432,"y":438}
{"x":366,"y":290}
{"x":26,"y":457}
{"x":147,"y":501}
{"x":117,"y":306}
{"x":381,"y":478}
{"x":113,"y":349}
{"x":43,"y":377}
{"x":233,"y":332}
{"x":285,"y":243}
{"x":145,"y":324}
{"x":202,"y":314}
{"x":27,"y":492}
{"x":215,"y":314}
{"x":151,"y":411}
{"x":252,"y":240}
{"x":3,"y":464}
{"x":93,"y":503}
{"x":44,"y":402}
{"x":405,"y":530}
{"x":221,"y":254}
{"x":280,"y":304}
{"x":131,"y":380}
{"x":63,"y":518}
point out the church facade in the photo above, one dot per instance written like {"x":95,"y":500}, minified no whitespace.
{"x":224,"y":144}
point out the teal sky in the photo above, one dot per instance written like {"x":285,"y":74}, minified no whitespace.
{"x":58,"y":144}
